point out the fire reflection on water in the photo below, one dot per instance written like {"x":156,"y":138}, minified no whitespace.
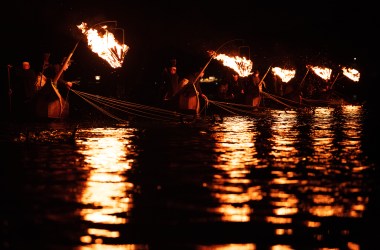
{"x":294,"y":168}
{"x":327,"y":200}
{"x":280,"y":169}
{"x":106,"y":191}
{"x":230,"y":186}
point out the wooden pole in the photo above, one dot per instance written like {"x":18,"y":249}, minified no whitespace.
{"x":58,"y":75}
{"x":336,"y":78}
{"x":196,"y":79}
{"x":303,"y":79}
{"x":262,"y":79}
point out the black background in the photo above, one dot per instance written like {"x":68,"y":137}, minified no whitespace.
{"x":286,"y":33}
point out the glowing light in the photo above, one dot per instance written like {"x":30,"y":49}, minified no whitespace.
{"x":353,"y":74}
{"x":241,"y":65}
{"x":105,"y":45}
{"x":106,"y":186}
{"x":324,"y":73}
{"x":285,"y":74}
{"x":278,"y":220}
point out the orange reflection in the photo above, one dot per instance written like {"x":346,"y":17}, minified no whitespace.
{"x":285,"y":153}
{"x":282,"y":231}
{"x":248,"y":246}
{"x":284,"y":136}
{"x":278,"y":220}
{"x":100,"y":246}
{"x":282,"y":185}
{"x":330,"y":201}
{"x":231,"y":186}
{"x":106,"y":192}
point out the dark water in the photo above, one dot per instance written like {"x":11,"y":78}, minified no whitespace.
{"x":278,"y":180}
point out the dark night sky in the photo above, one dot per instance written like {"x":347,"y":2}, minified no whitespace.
{"x":332,"y":31}
{"x":336,"y":28}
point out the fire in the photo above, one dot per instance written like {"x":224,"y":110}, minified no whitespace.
{"x":105,"y":45}
{"x":241,"y":65}
{"x":324,"y":73}
{"x":353,"y":74}
{"x":285,"y":74}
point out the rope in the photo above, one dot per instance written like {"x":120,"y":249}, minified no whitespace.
{"x":233,"y":108}
{"x":276,"y":99}
{"x":104,"y":104}
{"x":64,"y":103}
{"x":110,"y":106}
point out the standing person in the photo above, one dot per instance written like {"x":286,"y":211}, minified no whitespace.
{"x":41,"y":78}
{"x":190,"y":93}
{"x":222,"y":91}
{"x":276,"y":85}
{"x":23,"y":90}
{"x":256,"y":88}
{"x":51,"y":101}
{"x":62,"y":84}
{"x":170,"y":84}
{"x":236,"y":89}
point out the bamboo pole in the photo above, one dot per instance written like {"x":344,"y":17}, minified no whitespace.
{"x":303,"y":79}
{"x":58,"y":75}
{"x":336,"y":78}
{"x":266,"y":73}
{"x":203,"y":69}
{"x":212,"y":57}
{"x":262,"y":79}
{"x":196,"y":79}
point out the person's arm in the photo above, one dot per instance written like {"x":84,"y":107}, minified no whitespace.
{"x":199,"y":89}
{"x":68,"y":84}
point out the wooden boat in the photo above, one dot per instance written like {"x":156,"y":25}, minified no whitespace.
{"x":49,"y":103}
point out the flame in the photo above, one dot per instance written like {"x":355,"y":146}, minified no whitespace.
{"x":285,"y":74}
{"x":105,"y":45}
{"x":324,"y":73}
{"x":241,"y":65}
{"x":353,"y":74}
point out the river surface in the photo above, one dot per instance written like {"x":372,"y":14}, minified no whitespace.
{"x":279,"y":180}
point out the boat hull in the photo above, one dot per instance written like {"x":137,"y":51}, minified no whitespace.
{"x":50,"y":104}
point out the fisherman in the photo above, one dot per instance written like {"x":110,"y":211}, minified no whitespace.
{"x":52,"y":100}
{"x":56,"y":74}
{"x":23,"y":90}
{"x":236,"y":89}
{"x":170,"y":85}
{"x":190,"y":93}
{"x":254,"y":91}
